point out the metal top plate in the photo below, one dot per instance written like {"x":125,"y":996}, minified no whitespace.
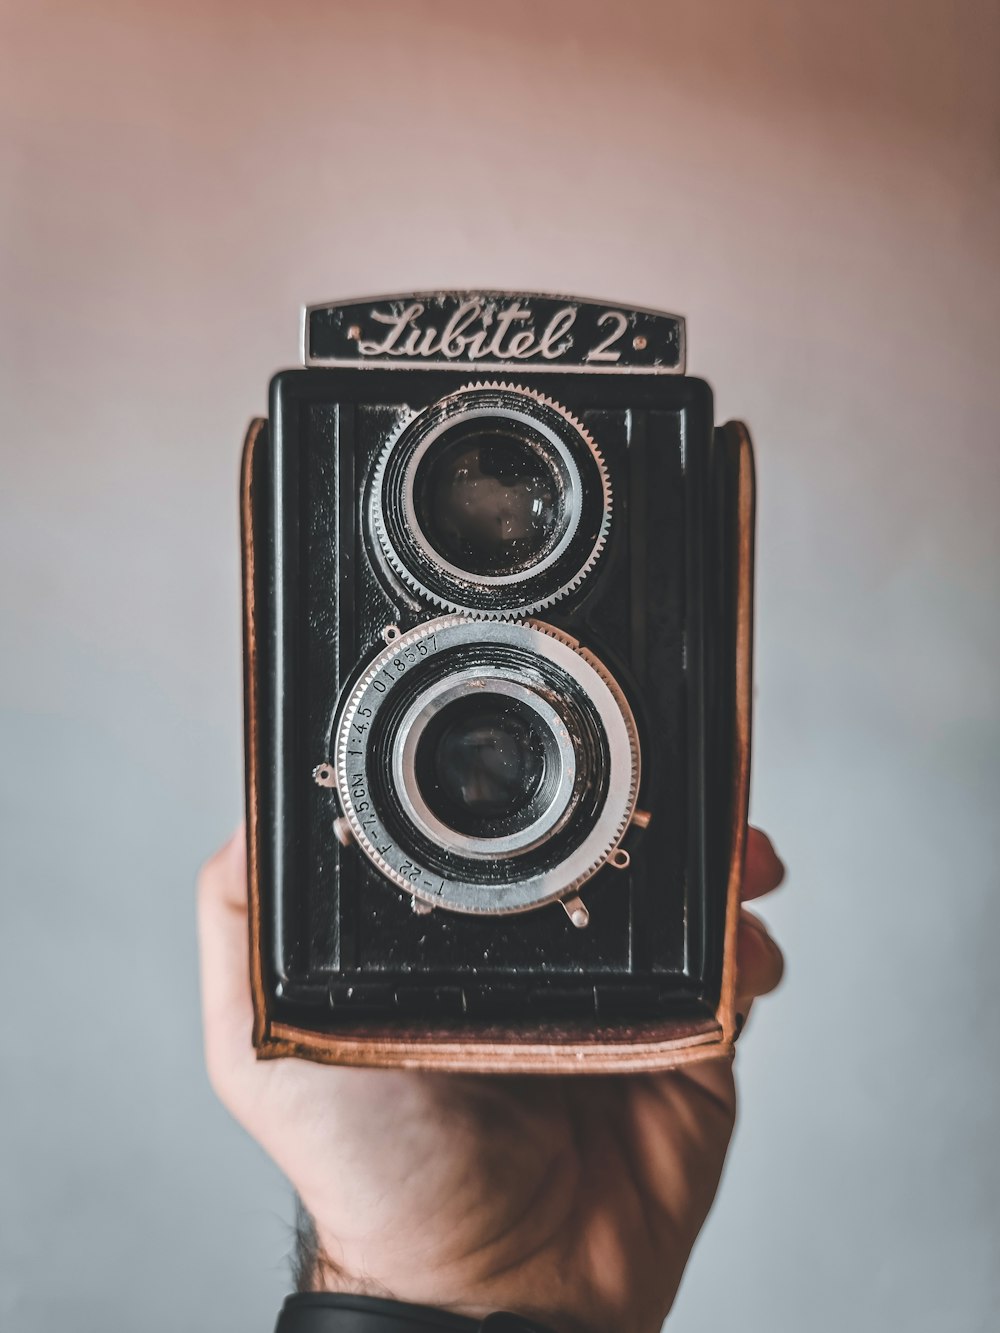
{"x":489,"y":331}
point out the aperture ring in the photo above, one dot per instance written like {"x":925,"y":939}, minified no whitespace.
{"x":359,"y":762}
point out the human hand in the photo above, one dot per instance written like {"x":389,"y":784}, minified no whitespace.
{"x":574,"y":1201}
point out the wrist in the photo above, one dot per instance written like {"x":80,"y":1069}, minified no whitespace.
{"x":544,"y":1294}
{"x":430,"y":1289}
{"x":338,"y":1312}
{"x":319,"y":1275}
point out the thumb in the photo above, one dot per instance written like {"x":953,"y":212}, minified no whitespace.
{"x":227,"y":1007}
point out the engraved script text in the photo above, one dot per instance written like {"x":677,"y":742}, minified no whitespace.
{"x":474,"y":333}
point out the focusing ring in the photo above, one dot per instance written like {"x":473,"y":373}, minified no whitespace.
{"x":578,"y":472}
{"x":406,"y":860}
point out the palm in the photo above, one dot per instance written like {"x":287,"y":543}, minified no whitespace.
{"x":576,"y":1200}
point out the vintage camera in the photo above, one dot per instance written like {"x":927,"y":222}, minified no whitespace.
{"x":497,"y":583}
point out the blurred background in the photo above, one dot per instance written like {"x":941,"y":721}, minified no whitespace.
{"x":816,"y":187}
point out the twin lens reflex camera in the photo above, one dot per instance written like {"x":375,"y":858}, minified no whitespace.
{"x":497,"y":597}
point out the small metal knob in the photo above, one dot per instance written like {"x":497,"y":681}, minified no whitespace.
{"x":343,"y":831}
{"x":576,"y":911}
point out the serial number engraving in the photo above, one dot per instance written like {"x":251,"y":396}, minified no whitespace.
{"x":395,"y":667}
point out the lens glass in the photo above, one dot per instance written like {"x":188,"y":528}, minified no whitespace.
{"x":490,"y":497}
{"x":484,"y":764}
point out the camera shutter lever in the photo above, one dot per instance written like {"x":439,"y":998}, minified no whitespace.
{"x":576,"y":911}
{"x":325,"y":775}
{"x":343,"y":831}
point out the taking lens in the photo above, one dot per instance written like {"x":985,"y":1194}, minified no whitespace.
{"x":482,"y":764}
{"x":486,"y":767}
{"x":491,"y":499}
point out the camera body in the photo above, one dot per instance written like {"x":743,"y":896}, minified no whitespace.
{"x":497,"y":597}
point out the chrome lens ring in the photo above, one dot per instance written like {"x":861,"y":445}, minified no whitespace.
{"x":560,"y":457}
{"x":373,"y":711}
{"x":573,"y":510}
{"x":432,"y":702}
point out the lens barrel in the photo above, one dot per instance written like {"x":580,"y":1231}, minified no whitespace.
{"x":484,"y":762}
{"x":492,"y":501}
{"x":493,"y":498}
{"x":487,"y":768}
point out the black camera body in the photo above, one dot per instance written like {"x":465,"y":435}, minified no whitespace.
{"x":497,"y":610}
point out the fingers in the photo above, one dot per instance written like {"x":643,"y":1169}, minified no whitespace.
{"x":762,"y":867}
{"x":759,"y":962}
{"x":227,"y":1008}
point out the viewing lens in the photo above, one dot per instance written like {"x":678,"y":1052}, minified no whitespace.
{"x":490,"y":498}
{"x":484,"y":764}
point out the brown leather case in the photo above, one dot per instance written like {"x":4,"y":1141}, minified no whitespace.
{"x":539,"y":1048}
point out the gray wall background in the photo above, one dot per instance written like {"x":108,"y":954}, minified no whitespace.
{"x":817,"y":187}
